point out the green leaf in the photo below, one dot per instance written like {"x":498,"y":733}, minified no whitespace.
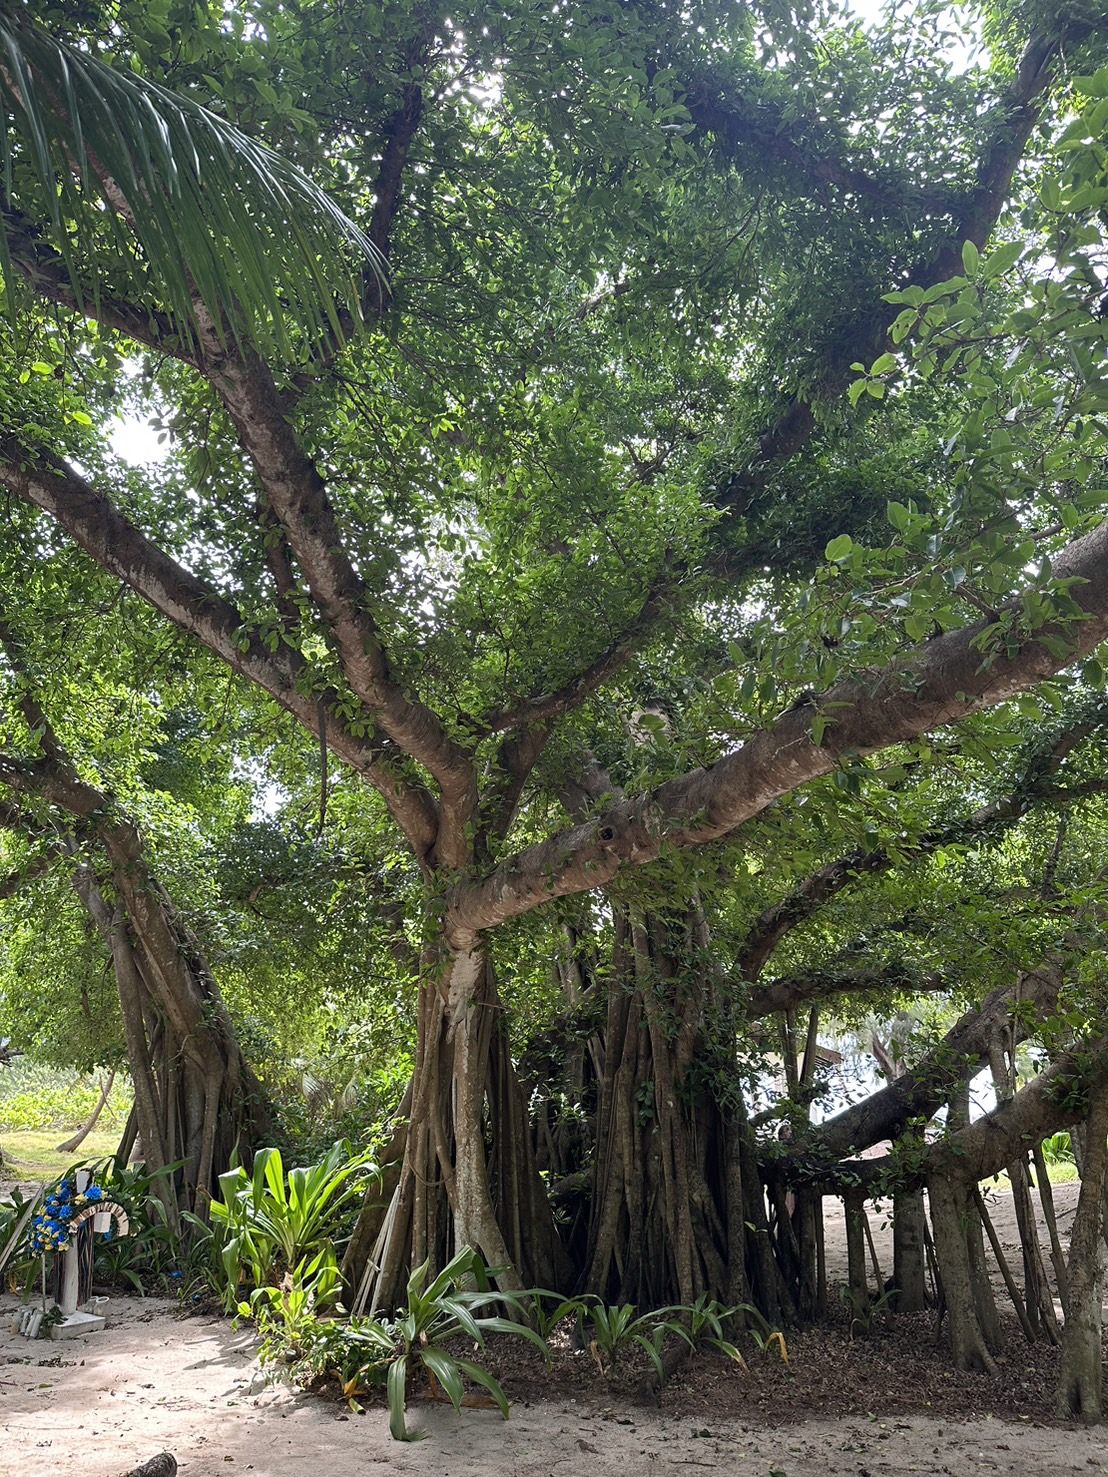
{"x":729,"y":1351}
{"x":650,"y":1347}
{"x":839,"y":548}
{"x":1093,"y":86}
{"x":418,"y":1278}
{"x":917,"y":625}
{"x":460,"y":1266}
{"x":1001,"y":260}
{"x":397,"y":1386}
{"x":482,"y":1377}
{"x":520,"y":1330}
{"x":971,"y":258}
{"x":446,"y":1372}
{"x":218,"y":216}
{"x":456,"y":1309}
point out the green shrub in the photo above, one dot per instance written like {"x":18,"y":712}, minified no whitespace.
{"x":1058,"y":1149}
{"x":704,"y":1324}
{"x":17,"y":1265}
{"x":38,"y":1097}
{"x":263,"y":1224}
{"x":616,"y":1331}
{"x":368,"y":1353}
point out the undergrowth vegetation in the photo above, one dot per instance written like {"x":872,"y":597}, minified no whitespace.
{"x":270,"y":1254}
{"x":37,"y":1097}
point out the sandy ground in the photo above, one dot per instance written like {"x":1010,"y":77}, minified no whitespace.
{"x":154,"y":1381}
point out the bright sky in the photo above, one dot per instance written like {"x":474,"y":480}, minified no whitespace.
{"x":136,"y":442}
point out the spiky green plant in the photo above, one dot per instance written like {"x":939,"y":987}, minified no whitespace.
{"x":1058,"y":1148}
{"x":264,"y":1222}
{"x":108,"y":173}
{"x":616,"y":1331}
{"x":437,"y":1313}
{"x":422,"y":1338}
{"x":547,"y":1310}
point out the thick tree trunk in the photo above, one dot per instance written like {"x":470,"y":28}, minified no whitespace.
{"x":1081,"y":1377}
{"x":196,"y":1098}
{"x":982,"y":1283}
{"x":988,"y":1319}
{"x":909,"y":1269}
{"x":807,"y":1219}
{"x":678,"y":1207}
{"x":642,"y":1235}
{"x":854,"y":1206}
{"x":462,"y":1171}
{"x":950,"y":1209}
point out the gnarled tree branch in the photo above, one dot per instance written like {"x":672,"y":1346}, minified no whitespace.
{"x":298,"y":497}
{"x":1012,"y":120}
{"x":118,"y":546}
{"x":1032,"y":790}
{"x":920,"y":1092}
{"x":938,"y":683}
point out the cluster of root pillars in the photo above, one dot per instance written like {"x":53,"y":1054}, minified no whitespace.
{"x":197,"y":1101}
{"x":643,"y":1179}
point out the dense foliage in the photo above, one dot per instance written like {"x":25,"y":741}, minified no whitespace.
{"x":619,"y":601}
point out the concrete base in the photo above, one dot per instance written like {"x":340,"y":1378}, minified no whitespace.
{"x":76,"y":1325}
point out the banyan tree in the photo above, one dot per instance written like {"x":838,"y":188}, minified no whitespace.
{"x":661,"y":426}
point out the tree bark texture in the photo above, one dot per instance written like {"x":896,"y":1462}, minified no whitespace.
{"x":197,"y":1101}
{"x":464,"y":1173}
{"x":909,"y":1265}
{"x":1081,"y":1377}
{"x":950,"y":1213}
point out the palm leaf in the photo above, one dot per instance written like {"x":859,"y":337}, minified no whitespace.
{"x":729,"y":1351}
{"x":117,"y":172}
{"x":650,"y":1347}
{"x":461,"y":1265}
{"x":16,"y":1228}
{"x":463,"y":1319}
{"x":520,"y":1330}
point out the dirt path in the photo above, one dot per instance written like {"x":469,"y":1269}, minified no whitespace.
{"x":153,"y":1381}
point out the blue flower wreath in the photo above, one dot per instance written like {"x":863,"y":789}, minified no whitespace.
{"x":50,"y":1228}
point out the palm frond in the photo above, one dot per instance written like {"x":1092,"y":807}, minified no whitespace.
{"x":127,"y":178}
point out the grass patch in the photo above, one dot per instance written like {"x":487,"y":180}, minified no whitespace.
{"x":32,"y":1154}
{"x":1062,"y":1173}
